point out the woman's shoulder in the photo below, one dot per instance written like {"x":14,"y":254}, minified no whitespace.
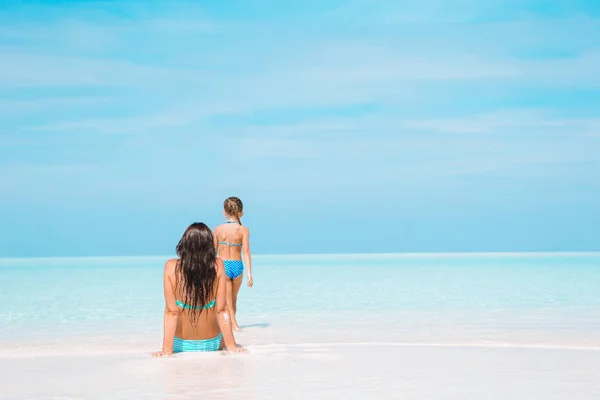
{"x":171,"y":264}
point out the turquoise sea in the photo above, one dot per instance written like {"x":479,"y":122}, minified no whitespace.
{"x":99,"y":307}
{"x":43,"y":298}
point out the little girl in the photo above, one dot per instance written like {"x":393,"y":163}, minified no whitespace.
{"x":232,"y":240}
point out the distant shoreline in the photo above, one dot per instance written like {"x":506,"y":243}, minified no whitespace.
{"x":341,"y":255}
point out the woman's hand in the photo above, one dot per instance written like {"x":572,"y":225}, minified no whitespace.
{"x":236,"y":349}
{"x":163,"y":353}
{"x":250,"y":283}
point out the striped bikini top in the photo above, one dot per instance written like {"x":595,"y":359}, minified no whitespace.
{"x":181,"y":304}
{"x":230,"y":244}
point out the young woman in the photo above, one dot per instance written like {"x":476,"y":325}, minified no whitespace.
{"x":232,"y":240}
{"x":195,"y":288}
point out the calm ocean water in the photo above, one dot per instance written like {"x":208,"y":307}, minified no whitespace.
{"x":516,"y":296}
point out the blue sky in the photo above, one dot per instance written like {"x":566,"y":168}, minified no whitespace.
{"x":344,"y":126}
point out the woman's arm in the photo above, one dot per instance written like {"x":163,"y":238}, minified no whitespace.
{"x":171,"y":310}
{"x":247,"y":255}
{"x":221,"y":309}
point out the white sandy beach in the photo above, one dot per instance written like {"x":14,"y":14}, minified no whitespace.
{"x":309,"y":371}
{"x":288,"y":360}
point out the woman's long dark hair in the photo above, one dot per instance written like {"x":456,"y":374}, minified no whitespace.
{"x":196,"y":273}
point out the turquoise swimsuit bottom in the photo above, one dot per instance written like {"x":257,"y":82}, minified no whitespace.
{"x":233,"y":268}
{"x":181,"y":345}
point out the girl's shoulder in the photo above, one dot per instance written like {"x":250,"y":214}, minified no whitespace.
{"x":218,"y":228}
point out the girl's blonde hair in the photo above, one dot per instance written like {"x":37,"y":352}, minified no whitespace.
{"x":234,"y":207}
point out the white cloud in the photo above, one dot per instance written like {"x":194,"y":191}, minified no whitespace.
{"x":12,"y":108}
{"x":517,"y":122}
{"x":118,"y":126}
{"x":496,"y":122}
{"x":43,"y":182}
{"x":38,"y":70}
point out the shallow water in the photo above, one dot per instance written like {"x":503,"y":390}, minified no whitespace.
{"x":480,"y":326}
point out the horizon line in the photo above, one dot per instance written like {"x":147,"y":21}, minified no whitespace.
{"x":399,"y":254}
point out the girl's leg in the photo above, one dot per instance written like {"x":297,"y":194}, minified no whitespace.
{"x":237,"y":283}
{"x":230,"y":304}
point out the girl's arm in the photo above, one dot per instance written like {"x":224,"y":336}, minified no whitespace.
{"x":221,"y":309}
{"x":171,"y":311}
{"x":247,"y":255}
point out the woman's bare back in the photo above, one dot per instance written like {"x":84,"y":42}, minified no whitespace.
{"x":207,"y":325}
